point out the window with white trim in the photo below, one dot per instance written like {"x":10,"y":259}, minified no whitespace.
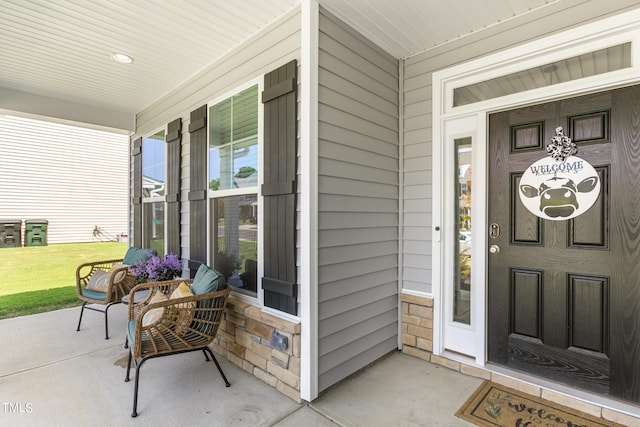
{"x":233,"y":188}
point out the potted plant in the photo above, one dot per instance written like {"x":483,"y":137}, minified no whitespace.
{"x":157,"y":269}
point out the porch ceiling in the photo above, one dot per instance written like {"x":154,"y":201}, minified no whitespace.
{"x":61,"y":49}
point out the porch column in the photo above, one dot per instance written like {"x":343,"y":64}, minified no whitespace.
{"x":309,"y":199}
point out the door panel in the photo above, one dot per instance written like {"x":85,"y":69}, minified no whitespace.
{"x":526,"y":304}
{"x":564,"y":296}
{"x":526,"y":227}
{"x":588,"y":313}
{"x":588,"y":230}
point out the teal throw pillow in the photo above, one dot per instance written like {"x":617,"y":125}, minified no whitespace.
{"x":207,"y":280}
{"x":202,"y":270}
{"x":134,"y":255}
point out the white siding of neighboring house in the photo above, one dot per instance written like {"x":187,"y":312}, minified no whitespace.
{"x":417,"y":147}
{"x":357,"y":201}
{"x":73,"y":177}
{"x":269,"y":49}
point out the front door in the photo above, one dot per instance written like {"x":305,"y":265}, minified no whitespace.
{"x":564,"y":294}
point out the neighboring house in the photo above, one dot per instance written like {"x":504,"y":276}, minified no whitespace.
{"x":361,"y":207}
{"x":72,"y":177}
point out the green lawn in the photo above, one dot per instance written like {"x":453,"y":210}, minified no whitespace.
{"x":42,"y":278}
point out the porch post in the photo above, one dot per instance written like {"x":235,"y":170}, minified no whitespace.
{"x":309,"y":199}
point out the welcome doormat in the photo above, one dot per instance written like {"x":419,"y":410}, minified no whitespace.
{"x":496,"y":405}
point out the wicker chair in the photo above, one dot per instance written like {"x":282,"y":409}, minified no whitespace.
{"x":119,"y":285}
{"x":186,"y":324}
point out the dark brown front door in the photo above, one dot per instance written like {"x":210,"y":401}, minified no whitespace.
{"x":564,"y":295}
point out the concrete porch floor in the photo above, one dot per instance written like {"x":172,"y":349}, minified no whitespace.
{"x":52,"y":375}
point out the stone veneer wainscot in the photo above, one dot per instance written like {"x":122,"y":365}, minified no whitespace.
{"x":243,"y":338}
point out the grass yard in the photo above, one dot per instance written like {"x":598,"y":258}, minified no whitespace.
{"x":36,"y":279}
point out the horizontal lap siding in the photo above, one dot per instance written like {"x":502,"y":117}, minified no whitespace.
{"x":259,"y":55}
{"x":76,"y":178}
{"x":417,"y":107}
{"x":358,"y":201}
{"x":417,"y":188}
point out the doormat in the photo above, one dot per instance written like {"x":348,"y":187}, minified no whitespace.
{"x":496,"y":405}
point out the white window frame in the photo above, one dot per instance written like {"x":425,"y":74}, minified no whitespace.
{"x":216,"y":194}
{"x":591,"y":37}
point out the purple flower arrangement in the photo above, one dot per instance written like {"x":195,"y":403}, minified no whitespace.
{"x":157,"y":269}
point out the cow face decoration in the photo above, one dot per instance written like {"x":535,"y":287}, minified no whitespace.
{"x":562,"y":186}
{"x":558,"y":196}
{"x":559,"y":190}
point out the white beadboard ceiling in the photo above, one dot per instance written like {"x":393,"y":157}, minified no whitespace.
{"x":61,"y":49}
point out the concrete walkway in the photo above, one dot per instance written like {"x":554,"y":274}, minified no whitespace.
{"x":51,"y":375}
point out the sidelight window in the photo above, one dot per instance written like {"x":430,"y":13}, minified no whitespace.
{"x":462,"y":226}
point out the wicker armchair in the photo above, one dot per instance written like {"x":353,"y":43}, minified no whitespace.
{"x":186,"y":324}
{"x":120,"y":282}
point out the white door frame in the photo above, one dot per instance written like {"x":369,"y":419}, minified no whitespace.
{"x":461,"y":338}
{"x":451,"y":122}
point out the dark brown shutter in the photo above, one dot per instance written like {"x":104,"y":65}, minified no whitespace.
{"x":172,"y":198}
{"x":198,"y":189}
{"x":279,"y":188}
{"x":136,"y":199}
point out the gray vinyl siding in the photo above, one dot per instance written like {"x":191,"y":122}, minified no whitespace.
{"x":73,"y":177}
{"x":357,"y":200}
{"x":274,"y":46}
{"x":417,"y":107}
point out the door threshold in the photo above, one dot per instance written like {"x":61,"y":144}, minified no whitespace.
{"x":607,"y":402}
{"x":595,"y":399}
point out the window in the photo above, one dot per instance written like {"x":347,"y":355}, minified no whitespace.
{"x":590,"y":64}
{"x":153,"y":191}
{"x":233,"y":188}
{"x":233,"y":142}
{"x":462,"y":228}
{"x":235,"y":240}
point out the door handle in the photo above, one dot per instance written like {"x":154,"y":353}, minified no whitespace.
{"x":494,"y":249}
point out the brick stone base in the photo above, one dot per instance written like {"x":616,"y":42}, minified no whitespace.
{"x":243,"y":338}
{"x":417,"y":326}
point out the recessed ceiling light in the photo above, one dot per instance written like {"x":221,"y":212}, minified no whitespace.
{"x":121,"y":57}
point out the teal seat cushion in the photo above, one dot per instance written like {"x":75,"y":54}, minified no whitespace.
{"x":134,"y":255}
{"x":131,"y":330}
{"x":131,"y":333}
{"x":207,"y":280}
{"x":95,"y":295}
